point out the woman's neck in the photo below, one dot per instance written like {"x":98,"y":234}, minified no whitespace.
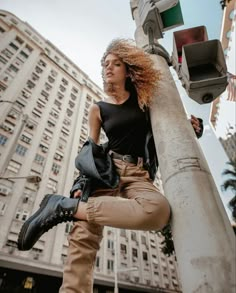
{"x":118,"y":95}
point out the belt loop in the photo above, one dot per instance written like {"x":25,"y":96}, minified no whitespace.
{"x":140,"y":162}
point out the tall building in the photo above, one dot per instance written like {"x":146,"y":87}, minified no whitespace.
{"x":44,"y":102}
{"x":223,"y":113}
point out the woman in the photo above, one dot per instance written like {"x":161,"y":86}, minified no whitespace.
{"x":129,"y":82}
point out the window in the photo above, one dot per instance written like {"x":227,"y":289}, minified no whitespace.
{"x":74,"y":90}
{"x":14,"y":166}
{"x":52,"y":184}
{"x":62,"y":88}
{"x":43,"y":148}
{"x":110,"y":244}
{"x":134,"y":252}
{"x":53,"y":73}
{"x":228,"y":34}
{"x":19,"y":41}
{"x":55,"y":168}
{"x":3,"y":60}
{"x":18,"y":213}
{"x":145,"y":256}
{"x":69,"y":112}
{"x":26,"y":139}
{"x":143,"y":240}
{"x":4,"y":190}
{"x":50,"y":79}
{"x":71,"y":104}
{"x":58,"y":157}
{"x":20,"y":150}
{"x":24,"y":55}
{"x":12,"y":45}
{"x":110,"y":265}
{"x":232,"y":14}
{"x":30,"y":84}
{"x":123,"y":248}
{"x":7,"y":53}
{"x":64,"y":81}
{"x":97,"y":261}
{"x":68,"y":228}
{"x":25,"y":215}
{"x":13,"y":68}
{"x":42,"y":63}
{"x":123,"y":232}
{"x":39,"y":159}
{"x":38,"y":69}
{"x":48,"y":87}
{"x":73,"y":97}
{"x":133,"y":236}
{"x":3,"y":139}
{"x":3,"y":207}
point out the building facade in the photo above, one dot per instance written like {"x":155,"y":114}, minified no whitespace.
{"x":44,"y":103}
{"x":223,"y":111}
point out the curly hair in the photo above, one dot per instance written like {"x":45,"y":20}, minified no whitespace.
{"x":143,"y":77}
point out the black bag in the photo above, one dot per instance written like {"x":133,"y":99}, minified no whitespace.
{"x":95,"y":162}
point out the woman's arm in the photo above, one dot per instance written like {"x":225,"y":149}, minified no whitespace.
{"x":94,"y":123}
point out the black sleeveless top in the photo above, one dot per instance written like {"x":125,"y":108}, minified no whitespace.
{"x":125,"y":126}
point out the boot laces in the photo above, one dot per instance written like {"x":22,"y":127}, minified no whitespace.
{"x":57,"y":218}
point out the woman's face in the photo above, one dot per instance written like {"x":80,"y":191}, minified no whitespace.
{"x":114,"y":70}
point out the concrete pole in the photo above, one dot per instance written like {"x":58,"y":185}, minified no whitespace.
{"x":203,"y":237}
{"x":116,"y":250}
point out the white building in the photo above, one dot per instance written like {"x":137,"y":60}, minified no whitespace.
{"x":44,"y":102}
{"x":223,"y":114}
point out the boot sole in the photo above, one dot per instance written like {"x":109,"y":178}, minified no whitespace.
{"x":25,"y":226}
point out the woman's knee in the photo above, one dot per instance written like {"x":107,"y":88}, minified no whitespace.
{"x":156,"y":211}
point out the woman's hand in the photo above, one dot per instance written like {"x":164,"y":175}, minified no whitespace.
{"x":77,"y":193}
{"x":197,"y":125}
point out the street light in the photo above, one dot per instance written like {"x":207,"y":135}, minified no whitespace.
{"x":5,"y":101}
{"x":122,"y":270}
{"x":12,"y":144}
{"x":30,"y":179}
{"x":119,"y":270}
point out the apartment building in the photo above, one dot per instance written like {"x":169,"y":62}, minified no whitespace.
{"x":223,"y":108}
{"x":44,"y":103}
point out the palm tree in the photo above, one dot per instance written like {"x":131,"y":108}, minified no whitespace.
{"x":224,"y":3}
{"x":230,"y":183}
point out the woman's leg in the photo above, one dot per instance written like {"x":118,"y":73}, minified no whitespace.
{"x":84,"y":241}
{"x":137,"y":204}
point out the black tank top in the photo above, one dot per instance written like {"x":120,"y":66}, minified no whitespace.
{"x":125,"y":126}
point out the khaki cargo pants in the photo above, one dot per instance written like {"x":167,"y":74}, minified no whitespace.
{"x":136,"y":205}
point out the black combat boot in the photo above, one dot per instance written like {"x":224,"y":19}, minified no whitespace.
{"x":54,"y":209}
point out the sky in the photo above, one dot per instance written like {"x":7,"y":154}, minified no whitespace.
{"x":82,"y":29}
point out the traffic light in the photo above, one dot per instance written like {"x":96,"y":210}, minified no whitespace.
{"x":159,"y":16}
{"x":200,"y":64}
{"x":184,"y":37}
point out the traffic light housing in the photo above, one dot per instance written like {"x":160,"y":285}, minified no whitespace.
{"x":184,"y":37}
{"x":200,"y":64}
{"x":159,"y":16}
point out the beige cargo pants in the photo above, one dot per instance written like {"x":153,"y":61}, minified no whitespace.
{"x":136,"y":205}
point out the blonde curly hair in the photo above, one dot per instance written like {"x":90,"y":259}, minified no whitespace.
{"x":143,"y":77}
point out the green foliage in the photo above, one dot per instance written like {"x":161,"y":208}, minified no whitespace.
{"x":224,"y":3}
{"x":167,"y":244}
{"x":230,"y":183}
